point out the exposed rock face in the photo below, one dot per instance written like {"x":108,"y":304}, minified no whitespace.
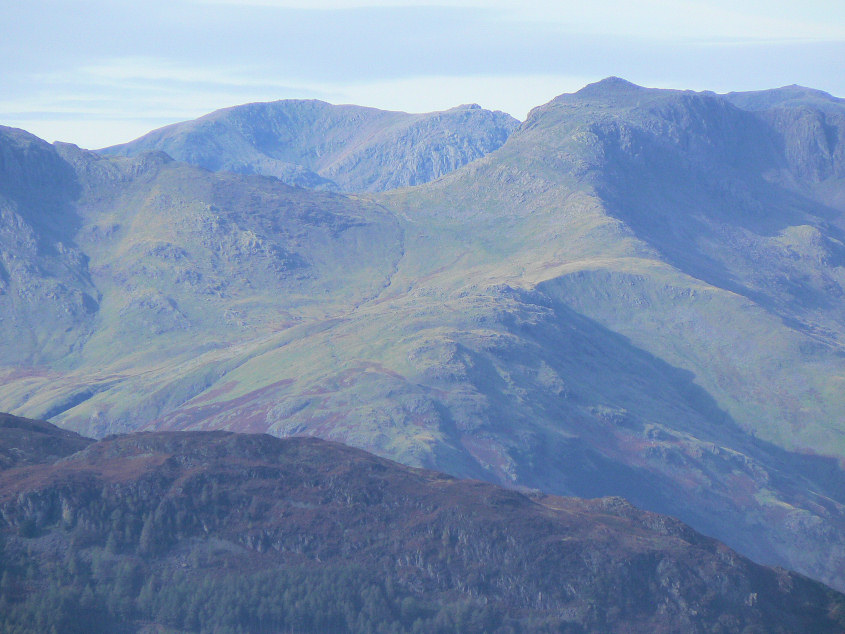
{"x":320,"y":146}
{"x":144,"y":520}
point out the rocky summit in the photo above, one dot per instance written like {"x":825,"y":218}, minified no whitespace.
{"x":321,"y":146}
{"x":636,"y":293}
{"x":216,"y":531}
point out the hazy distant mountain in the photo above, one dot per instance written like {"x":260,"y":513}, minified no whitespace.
{"x":639,"y":294}
{"x":318,"y":145}
{"x":760,"y":100}
{"x":231,"y":532}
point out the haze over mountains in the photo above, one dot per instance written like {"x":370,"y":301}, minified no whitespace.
{"x":639,"y":293}
{"x":318,"y":145}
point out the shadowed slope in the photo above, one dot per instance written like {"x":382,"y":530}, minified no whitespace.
{"x":47,"y":299}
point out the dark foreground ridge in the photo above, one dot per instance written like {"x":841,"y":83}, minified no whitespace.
{"x":225,"y":532}
{"x":27,"y":442}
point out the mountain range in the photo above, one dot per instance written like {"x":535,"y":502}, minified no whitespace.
{"x":216,"y":531}
{"x":322,"y":146}
{"x":638,"y":293}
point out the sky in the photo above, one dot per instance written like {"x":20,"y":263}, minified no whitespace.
{"x":101,"y":72}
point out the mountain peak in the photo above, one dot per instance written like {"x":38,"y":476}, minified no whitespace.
{"x":610,"y":90}
{"x":315,"y":144}
{"x":793,"y":94}
{"x":615,"y":82}
{"x":610,"y":85}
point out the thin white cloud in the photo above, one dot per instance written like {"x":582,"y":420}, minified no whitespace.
{"x":118,"y":102}
{"x":136,"y":83}
{"x":119,"y":99}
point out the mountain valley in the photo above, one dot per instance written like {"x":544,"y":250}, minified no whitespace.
{"x":634,"y":293}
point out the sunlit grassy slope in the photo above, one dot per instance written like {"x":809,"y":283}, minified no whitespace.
{"x":639,"y":294}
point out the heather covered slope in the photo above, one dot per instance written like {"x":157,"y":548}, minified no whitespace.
{"x":638,"y":294}
{"x":319,"y":145}
{"x":203,"y":531}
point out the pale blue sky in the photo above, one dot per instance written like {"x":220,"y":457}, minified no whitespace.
{"x":99,"y":72}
